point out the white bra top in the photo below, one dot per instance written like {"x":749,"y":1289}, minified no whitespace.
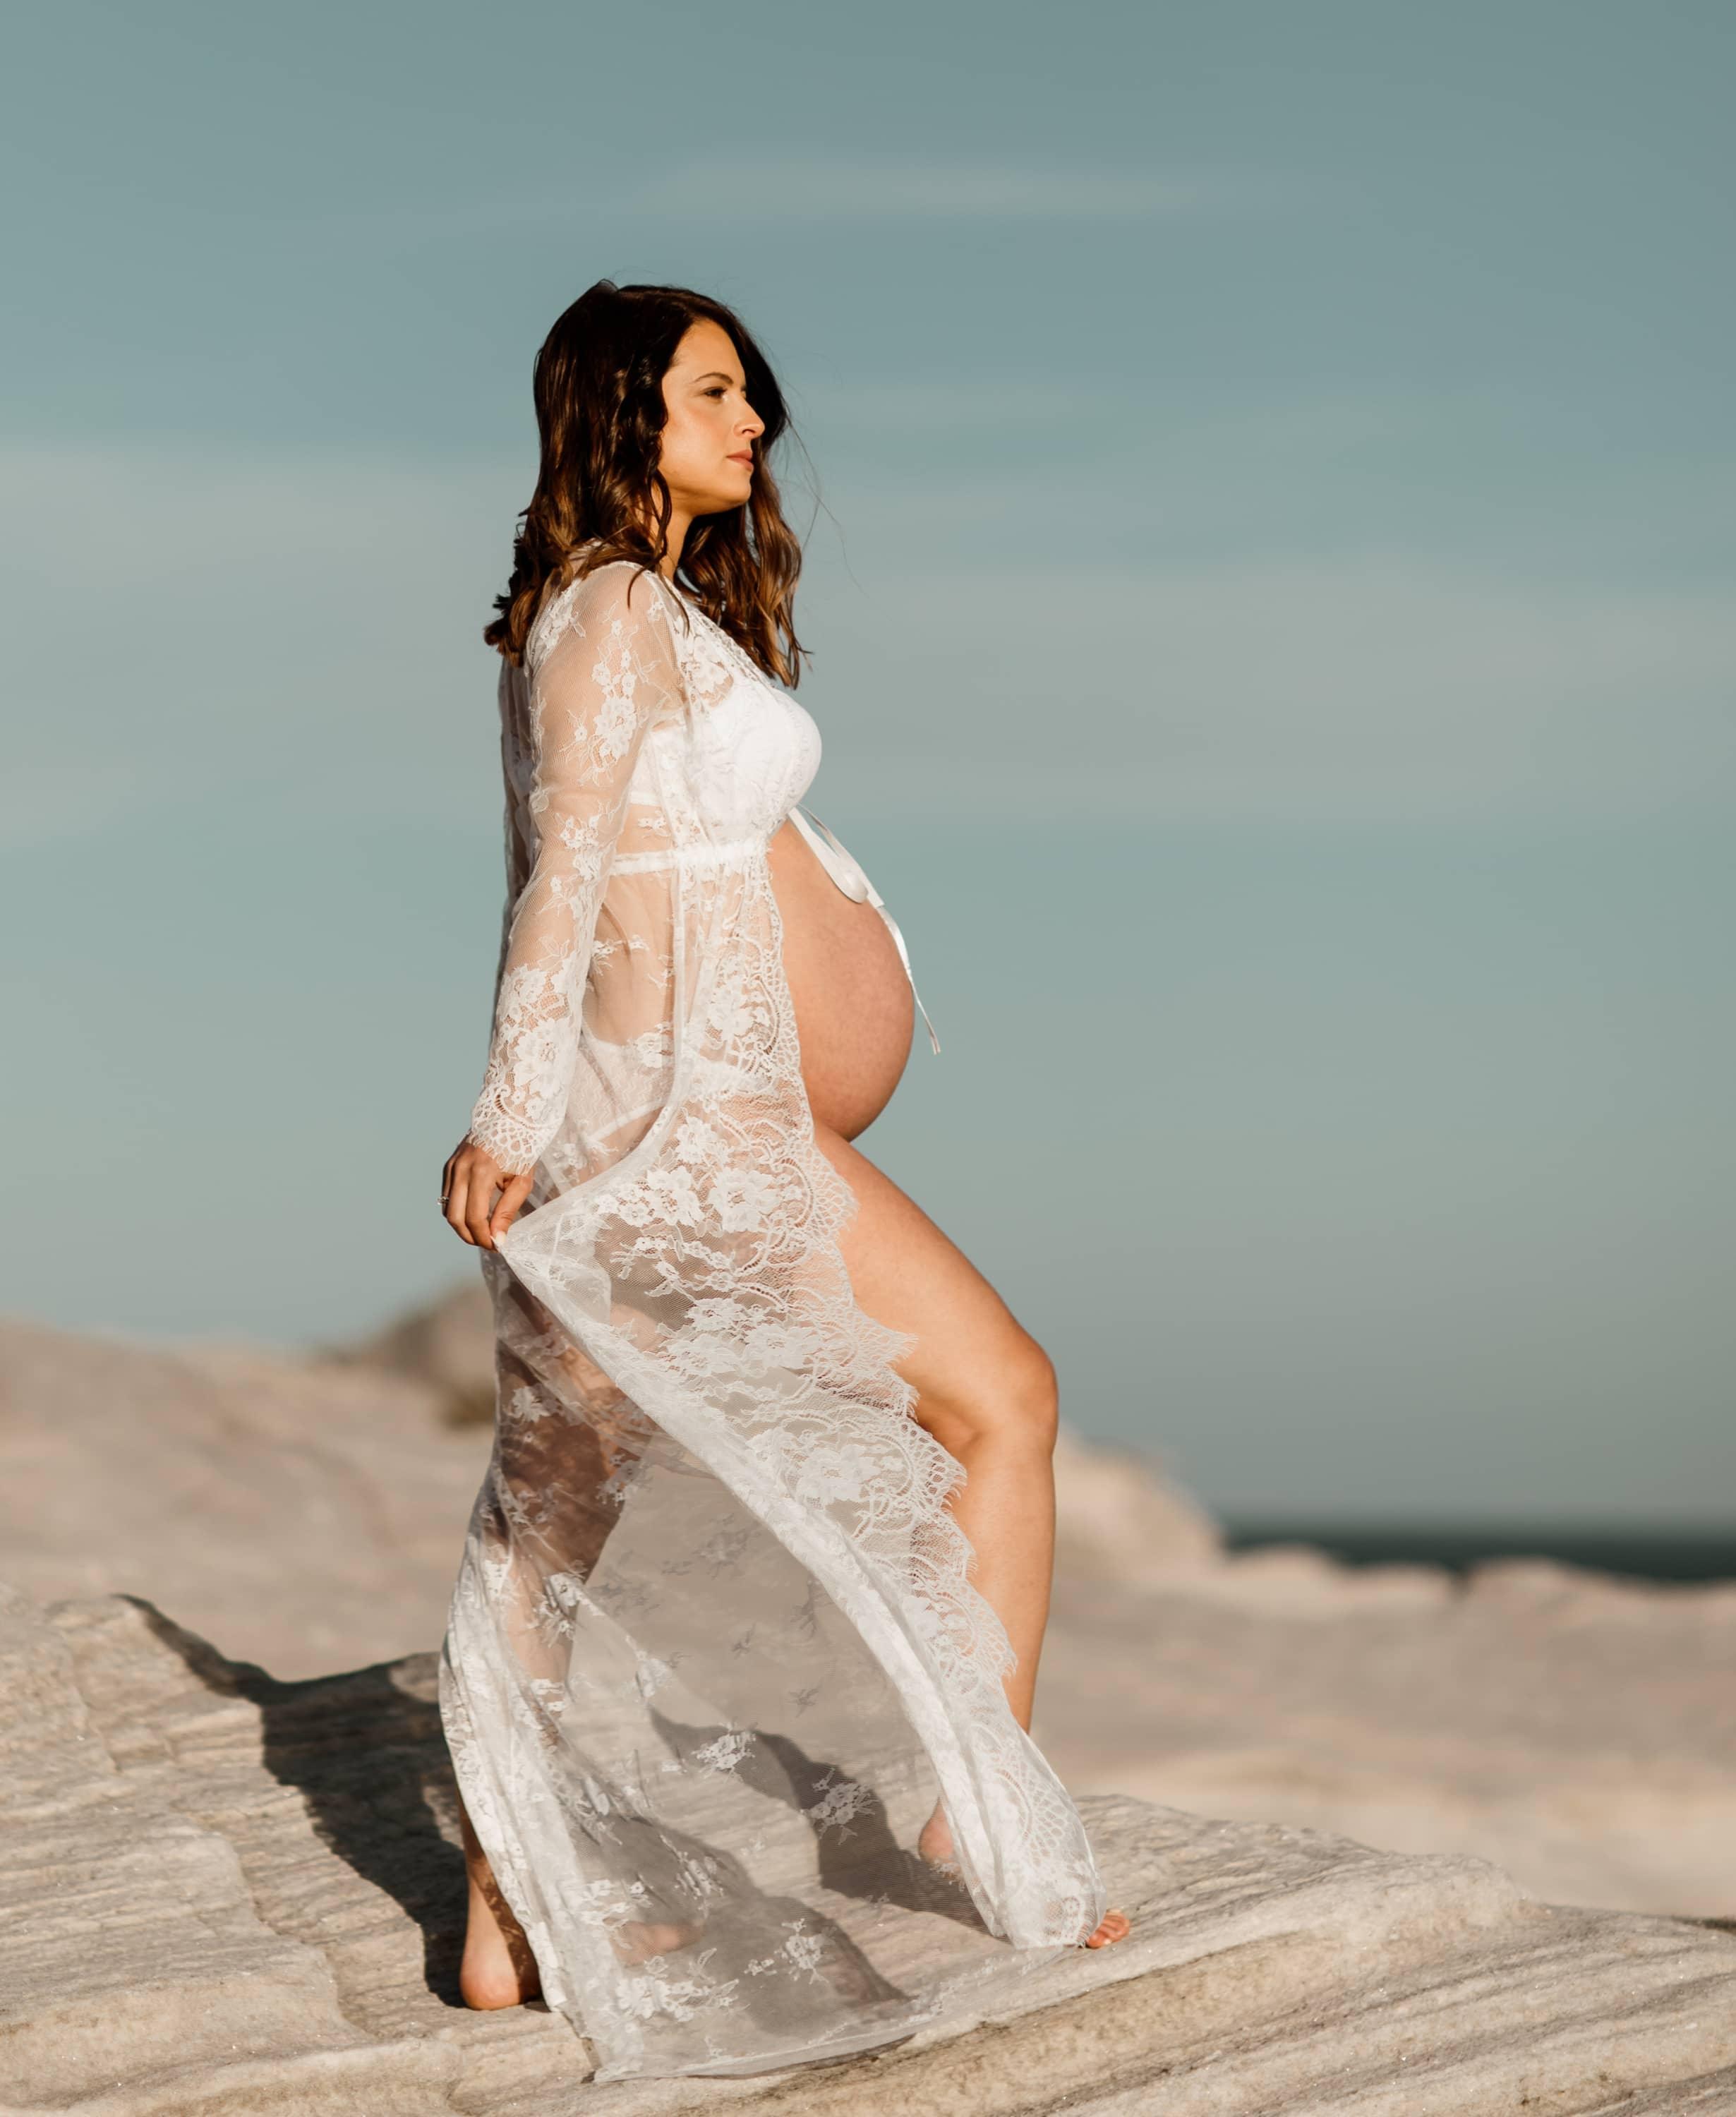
{"x":757,"y":750}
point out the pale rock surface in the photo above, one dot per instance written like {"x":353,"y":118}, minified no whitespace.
{"x":446,"y":1344}
{"x":1584,"y":1737}
{"x":311,"y":1513}
{"x":228,"y":1896}
{"x":1578,"y":1730}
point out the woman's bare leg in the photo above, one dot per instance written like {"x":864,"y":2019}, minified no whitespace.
{"x":498,"y":1969}
{"x":986,"y":1390}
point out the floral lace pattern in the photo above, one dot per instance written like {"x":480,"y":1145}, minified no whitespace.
{"x":713,"y":1653}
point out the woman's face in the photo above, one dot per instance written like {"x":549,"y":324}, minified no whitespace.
{"x":707,"y":456}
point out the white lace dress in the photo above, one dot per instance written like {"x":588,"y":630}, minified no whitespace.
{"x":713,"y":1655}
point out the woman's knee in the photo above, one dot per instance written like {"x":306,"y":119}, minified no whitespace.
{"x":1012,"y":1398}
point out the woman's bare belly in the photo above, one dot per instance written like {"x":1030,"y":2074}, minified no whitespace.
{"x":854,"y":1010}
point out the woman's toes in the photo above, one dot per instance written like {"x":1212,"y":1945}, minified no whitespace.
{"x":1114,"y":1927}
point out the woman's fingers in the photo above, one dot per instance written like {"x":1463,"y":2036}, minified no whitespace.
{"x":454,"y":1187}
{"x":469,"y":1184}
{"x":481,"y":1179}
{"x":512,"y":1197}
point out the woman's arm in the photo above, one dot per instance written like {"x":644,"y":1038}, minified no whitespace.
{"x":610,"y":672}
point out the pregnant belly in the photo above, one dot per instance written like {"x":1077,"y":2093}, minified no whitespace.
{"x":854,"y":1012}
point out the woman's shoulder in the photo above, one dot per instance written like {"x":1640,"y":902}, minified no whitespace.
{"x":616,"y":591}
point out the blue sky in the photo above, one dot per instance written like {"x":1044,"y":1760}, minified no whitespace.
{"x":1270,"y":580}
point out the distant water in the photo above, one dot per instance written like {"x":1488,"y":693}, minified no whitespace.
{"x":1696,"y":1554}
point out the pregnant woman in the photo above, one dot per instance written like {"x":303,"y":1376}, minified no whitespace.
{"x":739,"y":1670}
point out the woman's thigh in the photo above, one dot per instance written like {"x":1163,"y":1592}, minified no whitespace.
{"x":973,"y":1362}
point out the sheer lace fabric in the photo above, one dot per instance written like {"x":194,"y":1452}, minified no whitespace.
{"x":712,"y":1654}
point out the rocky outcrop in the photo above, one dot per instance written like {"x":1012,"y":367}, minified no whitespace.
{"x":230,"y":1896}
{"x":446,"y":1345}
{"x":311,"y":1511}
{"x":1578,"y":1730}
{"x":312,"y":1514}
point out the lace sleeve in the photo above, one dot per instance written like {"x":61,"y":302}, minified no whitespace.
{"x":600,"y":672}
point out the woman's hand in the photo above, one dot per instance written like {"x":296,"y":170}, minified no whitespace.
{"x":468,"y":1187}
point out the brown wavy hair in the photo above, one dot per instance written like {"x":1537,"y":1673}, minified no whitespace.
{"x":598,"y":383}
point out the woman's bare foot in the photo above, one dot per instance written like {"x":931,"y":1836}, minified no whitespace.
{"x":1114,"y":1927}
{"x":498,"y":1969}
{"x":935,"y":1845}
{"x":635,"y":1941}
{"x":936,"y":1842}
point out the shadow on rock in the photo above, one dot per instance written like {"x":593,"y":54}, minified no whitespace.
{"x":366,"y":1752}
{"x":857,"y":1854}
